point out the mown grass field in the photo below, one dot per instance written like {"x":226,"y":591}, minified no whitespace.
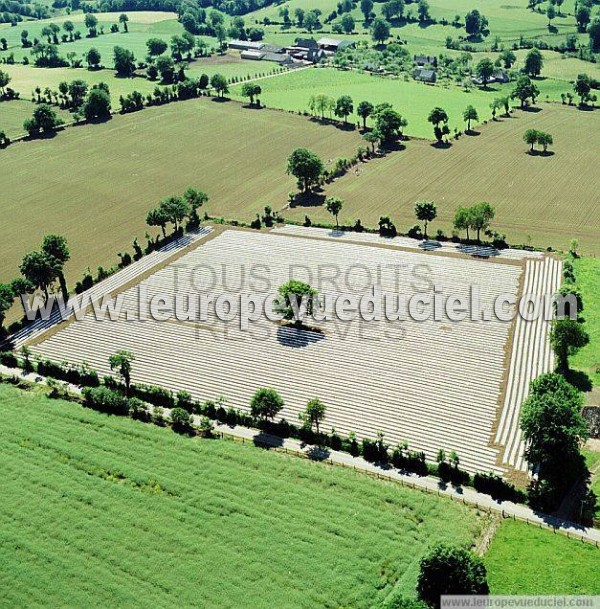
{"x":13,"y":113}
{"x":95,"y":183}
{"x":552,"y":198}
{"x":587,"y":273}
{"x":525,"y":560}
{"x":413,"y":100}
{"x":98,"y":510}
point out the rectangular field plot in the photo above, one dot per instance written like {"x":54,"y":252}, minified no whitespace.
{"x":435,"y":384}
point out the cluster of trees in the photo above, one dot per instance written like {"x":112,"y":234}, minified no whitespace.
{"x":176,"y":209}
{"x":476,"y":24}
{"x":554,"y":431}
{"x":44,"y":120}
{"x":478,"y":218}
{"x":583,"y":88}
{"x":534,"y":136}
{"x":39,"y":270}
{"x":525,"y":90}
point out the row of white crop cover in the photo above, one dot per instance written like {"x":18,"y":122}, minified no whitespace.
{"x":114,"y":282}
{"x":531,"y":356}
{"x":434,"y":389}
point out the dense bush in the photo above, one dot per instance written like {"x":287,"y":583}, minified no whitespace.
{"x":7,"y":358}
{"x":106,"y":400}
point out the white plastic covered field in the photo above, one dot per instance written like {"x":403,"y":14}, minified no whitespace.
{"x":435,"y":384}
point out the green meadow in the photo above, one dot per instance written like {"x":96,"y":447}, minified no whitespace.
{"x":108,"y":511}
{"x":413,"y":100}
{"x":523,"y":559}
{"x":587,"y":274}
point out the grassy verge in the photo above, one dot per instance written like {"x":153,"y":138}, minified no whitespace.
{"x":525,"y":560}
{"x":587,"y":273}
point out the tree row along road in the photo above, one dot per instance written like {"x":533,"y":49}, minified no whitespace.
{"x":427,"y":484}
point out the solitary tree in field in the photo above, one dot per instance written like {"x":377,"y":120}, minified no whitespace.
{"x":348,"y":23}
{"x":93,"y":58}
{"x":314,"y":413}
{"x":551,"y":14}
{"x":508,"y":58}
{"x":534,"y":62}
{"x":121,"y":362}
{"x":380,"y":30}
{"x":450,"y":570}
{"x":344,"y":107}
{"x":251,"y":90}
{"x":567,"y":337}
{"x":294,"y":291}
{"x":364,"y":110}
{"x":470,"y":114}
{"x":485,"y":70}
{"x":306,"y":166}
{"x":266,"y":403}
{"x":123,"y":19}
{"x":334,"y":207}
{"x":219,"y":83}
{"x":68,"y":26}
{"x":56,"y":248}
{"x":425,"y":211}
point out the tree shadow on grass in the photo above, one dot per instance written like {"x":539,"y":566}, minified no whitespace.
{"x":220,"y":100}
{"x":310,"y":199}
{"x":472,"y":132}
{"x":542,"y":153}
{"x":441,"y":145}
{"x":531,"y":109}
{"x":579,"y":379}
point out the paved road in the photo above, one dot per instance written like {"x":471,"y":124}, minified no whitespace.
{"x":424,"y":483}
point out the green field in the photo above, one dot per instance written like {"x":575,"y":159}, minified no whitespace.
{"x":13,"y":113}
{"x":587,"y":276}
{"x":95,"y":183}
{"x":99,"y":510}
{"x":413,"y":100}
{"x":551,"y":198}
{"x":525,"y":560}
{"x":26,"y":78}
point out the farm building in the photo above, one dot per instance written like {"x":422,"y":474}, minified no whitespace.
{"x":499,"y":76}
{"x":256,"y":55}
{"x":245,"y":45}
{"x":424,"y":60}
{"x":332,"y":45}
{"x":422,"y":75}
